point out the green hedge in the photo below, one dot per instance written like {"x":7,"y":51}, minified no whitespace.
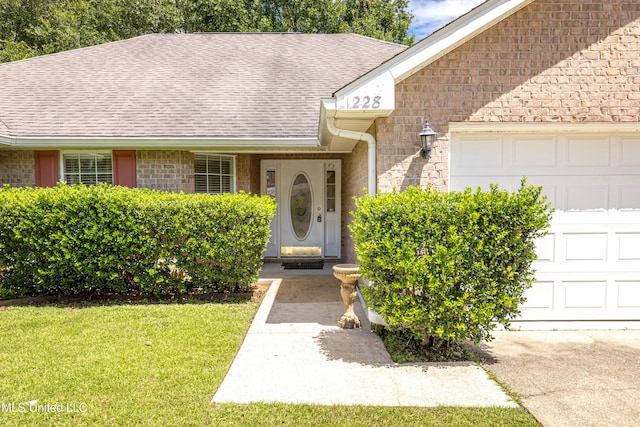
{"x":447,"y":266}
{"x":104,"y":239}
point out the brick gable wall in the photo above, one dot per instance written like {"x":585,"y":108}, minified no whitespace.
{"x":553,"y":61}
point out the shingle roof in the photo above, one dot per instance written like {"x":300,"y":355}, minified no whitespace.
{"x":185,"y":85}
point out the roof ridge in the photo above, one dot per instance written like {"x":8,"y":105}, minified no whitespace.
{"x":242,"y":32}
{"x":48,"y":55}
{"x":375,"y":39}
{"x":293,"y":33}
{"x":149,"y":35}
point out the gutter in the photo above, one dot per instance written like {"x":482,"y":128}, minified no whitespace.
{"x":4,"y":134}
{"x":6,"y":141}
{"x":187,"y":143}
{"x":359,"y":136}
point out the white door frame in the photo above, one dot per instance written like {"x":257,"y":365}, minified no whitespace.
{"x":324,"y":237}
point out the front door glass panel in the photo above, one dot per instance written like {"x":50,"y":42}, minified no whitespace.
{"x":301,"y":208}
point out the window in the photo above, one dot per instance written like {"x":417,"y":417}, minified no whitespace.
{"x":331,"y":191}
{"x":271,"y":183}
{"x":214,"y":174}
{"x":88,"y":168}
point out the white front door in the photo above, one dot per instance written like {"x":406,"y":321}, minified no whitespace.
{"x":307,"y":223}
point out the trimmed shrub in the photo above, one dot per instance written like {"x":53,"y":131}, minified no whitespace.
{"x":447,"y":266}
{"x":104,"y":239}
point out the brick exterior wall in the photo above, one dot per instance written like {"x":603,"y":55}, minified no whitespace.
{"x":17,"y":168}
{"x":165,"y":170}
{"x":243,"y":173}
{"x":355,"y":177}
{"x":553,"y":61}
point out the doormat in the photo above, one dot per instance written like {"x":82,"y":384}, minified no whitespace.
{"x":304,"y":265}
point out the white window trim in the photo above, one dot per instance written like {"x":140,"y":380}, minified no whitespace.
{"x":70,"y":152}
{"x":234,"y":172}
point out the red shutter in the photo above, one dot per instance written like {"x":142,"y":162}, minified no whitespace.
{"x":46,"y":168}
{"x":124,"y":168}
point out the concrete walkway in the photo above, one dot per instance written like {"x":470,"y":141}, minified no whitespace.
{"x":295,"y":353}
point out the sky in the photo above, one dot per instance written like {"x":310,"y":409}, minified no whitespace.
{"x":430,"y":15}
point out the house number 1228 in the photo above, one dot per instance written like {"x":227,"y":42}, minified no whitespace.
{"x":366,"y":102}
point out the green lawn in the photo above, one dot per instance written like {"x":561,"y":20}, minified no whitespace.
{"x":158,"y":365}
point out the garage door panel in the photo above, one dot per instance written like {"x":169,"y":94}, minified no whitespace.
{"x":628,"y":246}
{"x":588,"y":151}
{"x":545,"y":155}
{"x":469,"y":157}
{"x":535,"y":153}
{"x":588,"y":266}
{"x":587,"y":197}
{"x":628,"y":196}
{"x":600,"y":192}
{"x":630,"y":152}
{"x":586,"y":247}
{"x":539,"y":296}
{"x":585,"y":295}
{"x":628,"y":294}
{"x":545,"y":248}
{"x":599,"y":298}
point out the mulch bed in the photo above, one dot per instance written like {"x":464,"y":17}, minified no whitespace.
{"x":257,"y":293}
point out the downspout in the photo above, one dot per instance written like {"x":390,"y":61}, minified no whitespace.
{"x":371,"y":143}
{"x":371,"y":314}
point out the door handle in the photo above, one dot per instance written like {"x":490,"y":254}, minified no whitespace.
{"x":319,"y":219}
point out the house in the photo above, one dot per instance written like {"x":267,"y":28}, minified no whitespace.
{"x":204,"y":113}
{"x":548,"y":89}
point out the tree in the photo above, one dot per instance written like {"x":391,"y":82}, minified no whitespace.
{"x":17,"y":19}
{"x":384,"y":20}
{"x":34,"y":27}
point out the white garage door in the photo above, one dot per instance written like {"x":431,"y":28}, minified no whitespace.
{"x":588,"y":267}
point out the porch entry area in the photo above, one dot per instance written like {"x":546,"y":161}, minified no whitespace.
{"x":307,"y":222}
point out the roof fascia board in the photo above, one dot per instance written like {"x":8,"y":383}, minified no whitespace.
{"x":258,"y":150}
{"x":541,"y":127}
{"x":161,"y":142}
{"x":453,"y":35}
{"x":380,"y":82}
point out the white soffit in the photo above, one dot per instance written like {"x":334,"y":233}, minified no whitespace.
{"x":375,"y":91}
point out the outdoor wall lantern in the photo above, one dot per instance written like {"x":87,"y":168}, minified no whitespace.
{"x":428,"y":137}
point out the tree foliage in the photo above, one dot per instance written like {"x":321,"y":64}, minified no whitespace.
{"x":35,"y":27}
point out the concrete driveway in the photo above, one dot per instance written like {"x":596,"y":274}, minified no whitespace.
{"x":571,"y":378}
